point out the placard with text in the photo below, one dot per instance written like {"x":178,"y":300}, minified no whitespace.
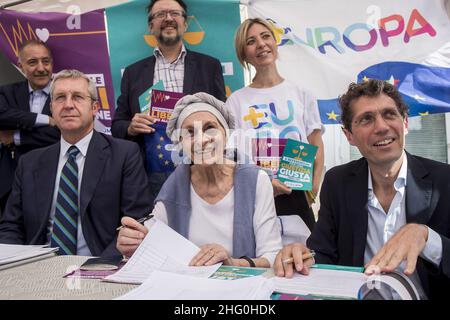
{"x":297,"y":165}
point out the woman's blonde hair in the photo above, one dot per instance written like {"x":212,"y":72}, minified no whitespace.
{"x":240,"y":38}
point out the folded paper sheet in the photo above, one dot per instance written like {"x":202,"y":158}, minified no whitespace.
{"x":168,"y":286}
{"x":336,"y":283}
{"x":13,"y":255}
{"x":162,"y":249}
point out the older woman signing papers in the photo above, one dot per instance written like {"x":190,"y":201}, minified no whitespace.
{"x":227,"y":209}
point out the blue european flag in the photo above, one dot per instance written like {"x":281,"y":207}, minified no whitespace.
{"x":425,"y":89}
{"x":158,"y":158}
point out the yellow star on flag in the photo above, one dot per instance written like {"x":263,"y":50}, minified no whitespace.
{"x":365,"y":79}
{"x":160,"y":155}
{"x":424,"y":113}
{"x":332,"y":115}
{"x":161,"y":138}
{"x":158,"y":147}
{"x":166,"y":163}
{"x":417,"y":97}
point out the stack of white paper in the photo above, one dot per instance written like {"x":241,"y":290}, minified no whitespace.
{"x":325,"y":282}
{"x":13,"y":255}
{"x":169,"y":286}
{"x":162,"y":249}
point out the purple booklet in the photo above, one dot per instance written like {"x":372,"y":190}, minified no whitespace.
{"x":163,"y":103}
{"x":267,"y":153}
{"x":92,"y":274}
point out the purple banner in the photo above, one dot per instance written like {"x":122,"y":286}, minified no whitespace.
{"x":76,"y":41}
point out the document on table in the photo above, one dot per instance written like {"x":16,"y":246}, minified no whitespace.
{"x":336,"y":283}
{"x":168,"y":286}
{"x":12,"y":254}
{"x":162,"y":249}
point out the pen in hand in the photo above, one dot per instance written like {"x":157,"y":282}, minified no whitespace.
{"x":141,"y":220}
{"x":305,"y":256}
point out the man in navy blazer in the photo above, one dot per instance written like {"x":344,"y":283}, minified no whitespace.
{"x":113,"y":180}
{"x":25,"y":117}
{"x":181,"y":70}
{"x":387,"y":211}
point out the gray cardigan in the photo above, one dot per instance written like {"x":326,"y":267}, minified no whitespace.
{"x":176,"y":196}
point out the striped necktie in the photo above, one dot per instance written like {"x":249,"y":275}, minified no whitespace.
{"x":65,"y":222}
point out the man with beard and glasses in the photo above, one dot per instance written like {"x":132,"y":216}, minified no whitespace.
{"x":25,"y":118}
{"x":180,"y":70}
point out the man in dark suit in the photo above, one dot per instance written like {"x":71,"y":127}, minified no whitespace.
{"x":389,"y":210}
{"x":74,"y":193}
{"x":25,"y":118}
{"x":181,"y":70}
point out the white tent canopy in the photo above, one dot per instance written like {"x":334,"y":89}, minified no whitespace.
{"x":67,"y":6}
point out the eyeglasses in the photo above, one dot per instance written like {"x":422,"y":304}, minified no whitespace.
{"x":368,"y":119}
{"x":77,"y":98}
{"x":163,"y":13}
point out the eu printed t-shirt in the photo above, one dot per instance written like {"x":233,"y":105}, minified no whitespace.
{"x":282,"y":111}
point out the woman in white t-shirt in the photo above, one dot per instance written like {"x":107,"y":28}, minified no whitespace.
{"x":272,"y":107}
{"x":225,"y":208}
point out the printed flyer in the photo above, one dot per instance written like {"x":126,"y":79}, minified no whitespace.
{"x":297,"y":165}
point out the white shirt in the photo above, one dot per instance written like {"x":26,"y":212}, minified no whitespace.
{"x":282,"y":111}
{"x":37,"y":103}
{"x":82,"y":145}
{"x":382,"y":226}
{"x":213,"y":223}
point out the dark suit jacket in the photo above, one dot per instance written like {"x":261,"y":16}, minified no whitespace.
{"x":339,"y":236}
{"x":7,"y":169}
{"x":202,"y":73}
{"x":15,"y":115}
{"x":114,"y":184}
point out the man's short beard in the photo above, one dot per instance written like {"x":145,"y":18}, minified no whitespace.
{"x":169,"y":41}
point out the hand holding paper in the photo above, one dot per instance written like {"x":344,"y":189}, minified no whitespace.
{"x":211,"y":254}
{"x":141,"y":124}
{"x":280,"y":188}
{"x":131,"y":236}
{"x":162,"y":249}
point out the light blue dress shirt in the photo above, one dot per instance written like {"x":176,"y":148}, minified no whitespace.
{"x":37,"y":103}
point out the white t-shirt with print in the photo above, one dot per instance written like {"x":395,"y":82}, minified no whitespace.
{"x":282,"y":111}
